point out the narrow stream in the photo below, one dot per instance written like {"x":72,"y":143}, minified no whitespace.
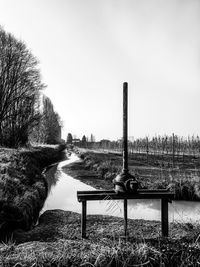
{"x":63,"y":196}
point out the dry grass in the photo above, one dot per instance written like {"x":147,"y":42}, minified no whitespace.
{"x":184,"y":179}
{"x":105,"y":245}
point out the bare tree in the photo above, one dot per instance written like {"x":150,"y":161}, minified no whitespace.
{"x":20,"y":86}
{"x":69,"y":138}
{"x":48,"y":129}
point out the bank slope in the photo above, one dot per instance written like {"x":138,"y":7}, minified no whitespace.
{"x":23,"y":188}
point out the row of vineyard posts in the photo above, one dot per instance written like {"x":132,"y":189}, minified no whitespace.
{"x":173,"y":145}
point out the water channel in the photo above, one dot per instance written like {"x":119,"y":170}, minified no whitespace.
{"x":63,"y":190}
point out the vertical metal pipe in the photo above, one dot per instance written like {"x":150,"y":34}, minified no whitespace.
{"x":125,"y":218}
{"x":125,"y":127}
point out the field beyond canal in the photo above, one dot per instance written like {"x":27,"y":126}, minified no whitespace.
{"x":98,"y":169}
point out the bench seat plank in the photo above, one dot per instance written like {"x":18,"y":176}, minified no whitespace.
{"x":141,"y":194}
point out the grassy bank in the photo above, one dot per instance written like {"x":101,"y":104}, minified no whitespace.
{"x":99,"y":169}
{"x":23,"y":188}
{"x":56,"y":241}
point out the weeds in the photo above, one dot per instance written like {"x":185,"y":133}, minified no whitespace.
{"x":86,"y":253}
{"x":184,"y":182}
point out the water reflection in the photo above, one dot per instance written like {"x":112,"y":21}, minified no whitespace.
{"x":52,"y":178}
{"x":63,"y":195}
{"x":185,"y":211}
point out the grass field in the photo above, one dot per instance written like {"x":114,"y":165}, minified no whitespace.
{"x":98,"y":169}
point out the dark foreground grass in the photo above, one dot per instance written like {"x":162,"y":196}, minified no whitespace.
{"x":23,"y":188}
{"x":56,"y":241}
{"x":99,"y":169}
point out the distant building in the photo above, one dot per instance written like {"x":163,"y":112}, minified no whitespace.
{"x":76,"y":141}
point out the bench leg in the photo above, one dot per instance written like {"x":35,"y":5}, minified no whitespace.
{"x":125,"y":217}
{"x":83,"y":219}
{"x":164,"y":217}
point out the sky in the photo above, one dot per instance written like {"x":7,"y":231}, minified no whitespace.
{"x":88,"y":48}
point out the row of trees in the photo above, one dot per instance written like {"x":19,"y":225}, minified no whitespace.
{"x":48,"y":128}
{"x":156,"y":145}
{"x":20,"y":95}
{"x":173,"y":144}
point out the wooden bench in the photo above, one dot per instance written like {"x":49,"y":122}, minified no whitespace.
{"x":163,"y":194}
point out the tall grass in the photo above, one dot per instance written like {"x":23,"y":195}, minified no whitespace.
{"x":56,"y":241}
{"x":105,"y":253}
{"x":185,"y":182}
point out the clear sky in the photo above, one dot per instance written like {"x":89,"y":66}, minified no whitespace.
{"x":88,"y":48}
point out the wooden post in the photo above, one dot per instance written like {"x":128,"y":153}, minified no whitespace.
{"x":125,"y":217}
{"x":147,"y":150}
{"x":125,"y":127}
{"x":173,"y":149}
{"x":164,"y":216}
{"x":83,"y":219}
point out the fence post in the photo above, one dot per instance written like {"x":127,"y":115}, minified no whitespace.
{"x":173,"y":149}
{"x":147,"y":150}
